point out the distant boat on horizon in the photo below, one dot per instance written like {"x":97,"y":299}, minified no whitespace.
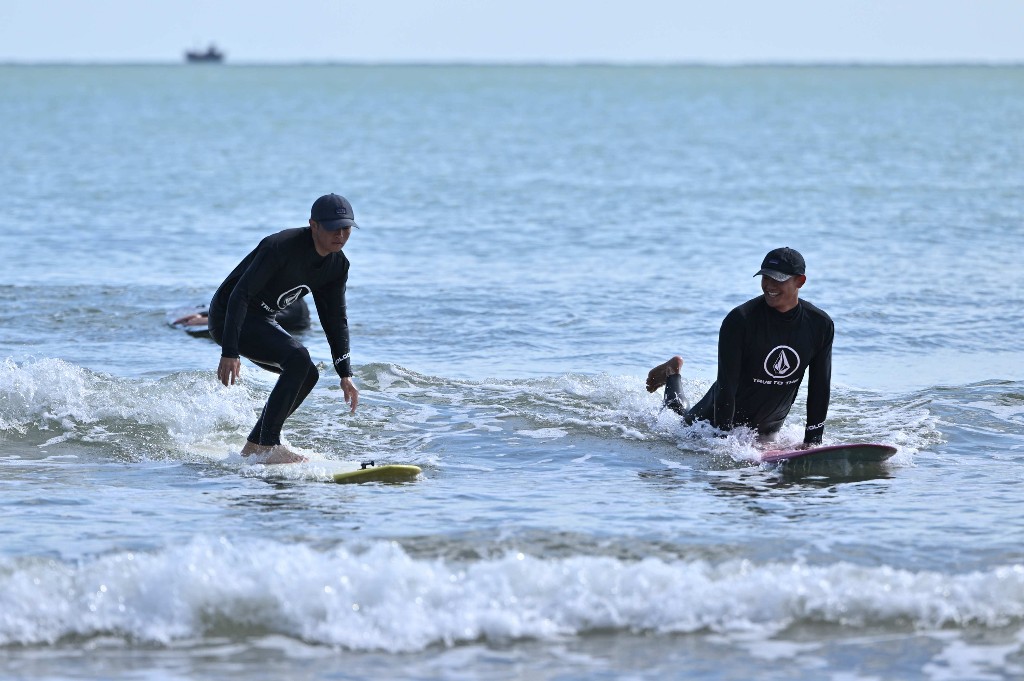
{"x":211,"y":55}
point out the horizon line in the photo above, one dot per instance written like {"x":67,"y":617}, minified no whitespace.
{"x":534,"y":63}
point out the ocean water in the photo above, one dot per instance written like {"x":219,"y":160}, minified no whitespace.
{"x":533,"y":240}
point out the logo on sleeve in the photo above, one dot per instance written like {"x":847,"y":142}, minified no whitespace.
{"x":289,"y":297}
{"x":781,"y":362}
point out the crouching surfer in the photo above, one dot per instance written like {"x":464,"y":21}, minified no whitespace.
{"x":243,"y":317}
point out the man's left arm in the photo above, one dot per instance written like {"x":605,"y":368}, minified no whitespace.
{"x":330,"y":306}
{"x":819,"y":388}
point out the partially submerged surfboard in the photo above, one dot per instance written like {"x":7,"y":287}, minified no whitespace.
{"x":368,"y":471}
{"x":846,"y":453}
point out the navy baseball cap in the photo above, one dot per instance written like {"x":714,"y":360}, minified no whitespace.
{"x":333,"y":212}
{"x":781,"y":264}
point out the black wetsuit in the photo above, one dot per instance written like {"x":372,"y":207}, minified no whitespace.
{"x":280,"y":270}
{"x":295,"y":317}
{"x":762,"y":357}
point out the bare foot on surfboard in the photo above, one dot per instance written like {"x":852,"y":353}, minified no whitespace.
{"x":281,"y":454}
{"x":253,"y":448}
{"x":658,"y":376}
{"x":271,"y":455}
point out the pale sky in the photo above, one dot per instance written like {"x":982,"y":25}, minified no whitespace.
{"x":713,"y":31}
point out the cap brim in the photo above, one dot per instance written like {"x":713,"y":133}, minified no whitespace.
{"x":335,"y":225}
{"x":774,"y":274}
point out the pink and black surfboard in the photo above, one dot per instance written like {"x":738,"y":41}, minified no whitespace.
{"x":847,"y":453}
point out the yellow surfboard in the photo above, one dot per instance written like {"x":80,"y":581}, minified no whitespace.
{"x":370,"y":472}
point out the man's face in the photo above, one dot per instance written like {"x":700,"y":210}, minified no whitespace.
{"x":328,"y":241}
{"x":782,"y":295}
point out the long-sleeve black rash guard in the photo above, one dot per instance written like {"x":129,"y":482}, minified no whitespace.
{"x":762,"y":357}
{"x":281,"y":269}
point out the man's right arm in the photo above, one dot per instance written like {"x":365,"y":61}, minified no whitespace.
{"x":254,"y":278}
{"x":730,"y":356}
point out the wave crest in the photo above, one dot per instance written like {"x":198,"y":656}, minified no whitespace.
{"x":382,"y":598}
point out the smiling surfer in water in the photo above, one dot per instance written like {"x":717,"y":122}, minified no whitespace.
{"x":284,"y":267}
{"x":764,"y":348}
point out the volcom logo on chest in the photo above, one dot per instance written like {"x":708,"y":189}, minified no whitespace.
{"x":289,"y":297}
{"x":781,"y":362}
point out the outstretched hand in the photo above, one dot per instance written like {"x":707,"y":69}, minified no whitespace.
{"x":228,"y":370}
{"x":351,"y":394}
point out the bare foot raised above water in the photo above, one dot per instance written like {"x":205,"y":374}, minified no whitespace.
{"x":659,"y":374}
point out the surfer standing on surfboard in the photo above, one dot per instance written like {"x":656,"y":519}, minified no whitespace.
{"x":764,"y":348}
{"x":282,"y":269}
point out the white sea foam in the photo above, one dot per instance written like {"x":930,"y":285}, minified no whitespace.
{"x":49,"y":394}
{"x":620,"y":406}
{"x":543,"y":433}
{"x":199,"y":416}
{"x":382,"y":598}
